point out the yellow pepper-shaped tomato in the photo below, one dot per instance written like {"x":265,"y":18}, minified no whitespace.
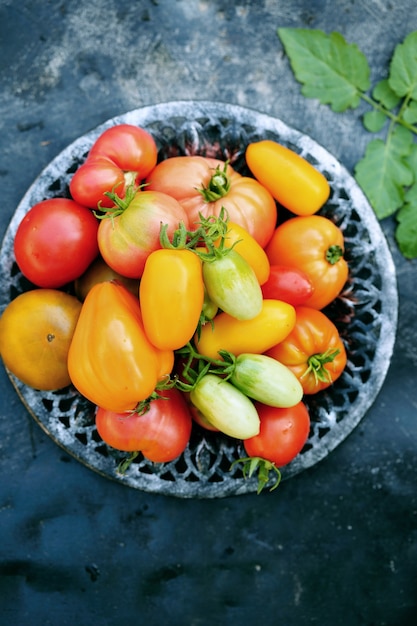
{"x":289,"y":178}
{"x":111,"y":361}
{"x":271,"y":326}
{"x":171,"y":297}
{"x":247,"y":246}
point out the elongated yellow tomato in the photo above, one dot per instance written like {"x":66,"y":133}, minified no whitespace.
{"x":111,"y":361}
{"x":171,"y":295}
{"x":289,"y":178}
{"x":273,"y":324}
{"x":247,"y":246}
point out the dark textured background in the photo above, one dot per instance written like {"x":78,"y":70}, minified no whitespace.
{"x":334,"y":545}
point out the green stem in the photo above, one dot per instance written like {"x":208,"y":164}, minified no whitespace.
{"x":218,"y":186}
{"x":397,"y":119}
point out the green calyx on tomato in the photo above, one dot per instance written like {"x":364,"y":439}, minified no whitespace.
{"x":230,"y":281}
{"x":119,"y":204}
{"x":258,"y":376}
{"x":218,"y":186}
{"x":263,"y":467}
{"x":316,"y":365}
{"x":333,"y":254}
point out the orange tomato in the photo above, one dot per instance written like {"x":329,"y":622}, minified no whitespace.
{"x":111,"y":361}
{"x":313,"y":351}
{"x":290,"y":178}
{"x":314,"y":245}
{"x":36,"y":330}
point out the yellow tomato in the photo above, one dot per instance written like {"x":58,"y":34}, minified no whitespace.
{"x":247,"y":246}
{"x":288,"y":177}
{"x":36,"y":330}
{"x":273,"y":324}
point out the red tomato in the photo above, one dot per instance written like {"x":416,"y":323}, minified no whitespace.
{"x":205,"y":185}
{"x":288,"y":284}
{"x":121,"y":156}
{"x":283,"y":433}
{"x":55,"y":242}
{"x":161,"y":434}
{"x":126,"y":240}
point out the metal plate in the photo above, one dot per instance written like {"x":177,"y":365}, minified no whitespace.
{"x":365,"y":313}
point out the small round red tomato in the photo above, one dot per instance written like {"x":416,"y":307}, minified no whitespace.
{"x":282,"y":435}
{"x":123,"y":155}
{"x":204,"y":186}
{"x":161,"y":434}
{"x":55,"y":242}
{"x":288,"y":284}
{"x":314,"y":245}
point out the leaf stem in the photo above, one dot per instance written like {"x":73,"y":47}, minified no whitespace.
{"x":396,"y":118}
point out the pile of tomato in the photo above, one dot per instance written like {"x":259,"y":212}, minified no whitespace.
{"x":171,"y":293}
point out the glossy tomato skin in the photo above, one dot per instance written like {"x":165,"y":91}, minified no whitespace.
{"x":291,"y":179}
{"x":289,"y":284}
{"x":225,"y":407}
{"x":55,"y":242}
{"x":282,"y":435}
{"x":122,"y":155}
{"x":161,"y":433}
{"x":313,"y":336}
{"x":93,"y":179}
{"x":272,"y":325}
{"x":130,"y":147}
{"x":246,"y":201}
{"x":126,"y":240}
{"x":240,"y":240}
{"x":314,"y":245}
{"x":265,"y":379}
{"x":36,"y":330}
{"x":171,"y":297}
{"x":232,"y":285}
{"x":111,"y":361}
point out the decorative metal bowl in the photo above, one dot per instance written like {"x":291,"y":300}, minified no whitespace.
{"x":365,"y":313}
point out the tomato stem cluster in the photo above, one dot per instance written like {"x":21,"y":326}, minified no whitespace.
{"x":254,"y":464}
{"x":317,"y":365}
{"x":198,"y":365}
{"x":218,"y":186}
{"x":207,"y":240}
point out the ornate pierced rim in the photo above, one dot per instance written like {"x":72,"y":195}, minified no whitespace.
{"x":365,"y":313}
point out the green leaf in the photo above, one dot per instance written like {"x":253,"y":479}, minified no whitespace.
{"x":410,"y":113}
{"x":383,"y":172}
{"x":330,"y":69}
{"x":406,"y":232}
{"x":374,"y":120}
{"x":383,"y":93}
{"x":403,"y":74}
